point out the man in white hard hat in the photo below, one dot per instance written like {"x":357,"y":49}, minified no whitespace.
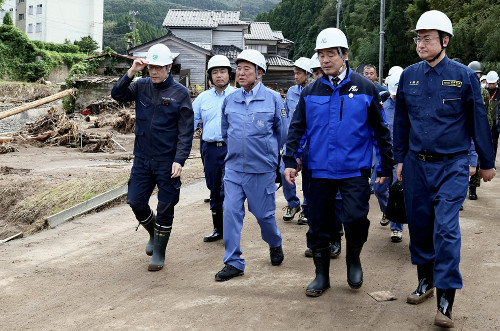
{"x":492,"y":107}
{"x":339,"y":113}
{"x":163,"y":139}
{"x":254,"y":129}
{"x":302,"y":72}
{"x":207,"y":108}
{"x":438,"y":109}
{"x":335,"y":227}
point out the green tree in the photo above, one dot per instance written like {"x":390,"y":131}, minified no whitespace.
{"x":87,"y":45}
{"x":7,"y":20}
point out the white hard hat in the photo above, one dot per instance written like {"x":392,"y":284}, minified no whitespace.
{"x":315,"y":61}
{"x":476,"y":66}
{"x":331,"y":37}
{"x":492,"y":77}
{"x":394,"y":70}
{"x":159,"y":55}
{"x":252,"y":56}
{"x":303,"y":63}
{"x":392,"y":82}
{"x":434,"y":20}
{"x":219,"y":61}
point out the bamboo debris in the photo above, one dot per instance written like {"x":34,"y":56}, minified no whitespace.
{"x":36,"y":103}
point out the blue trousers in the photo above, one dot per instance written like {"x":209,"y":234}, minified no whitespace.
{"x":213,"y":157}
{"x":355,"y":193}
{"x":382,"y":194}
{"x":289,"y":191}
{"x":434,"y":192}
{"x":145,"y":175}
{"x":259,"y":191}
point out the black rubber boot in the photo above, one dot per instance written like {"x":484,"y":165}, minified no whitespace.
{"x":425,"y":288}
{"x":321,"y":283}
{"x":162,"y":234}
{"x":217,"y":218}
{"x":354,"y":270}
{"x":445,"y":299}
{"x":149,"y":225}
{"x":472,"y":193}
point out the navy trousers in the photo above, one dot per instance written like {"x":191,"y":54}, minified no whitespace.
{"x":213,"y":157}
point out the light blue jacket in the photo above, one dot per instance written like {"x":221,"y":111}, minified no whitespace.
{"x":207,"y":108}
{"x":254,"y":133}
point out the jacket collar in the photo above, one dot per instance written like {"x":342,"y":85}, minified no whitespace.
{"x":260,"y":95}
{"x":439,"y":68}
{"x":166,"y":83}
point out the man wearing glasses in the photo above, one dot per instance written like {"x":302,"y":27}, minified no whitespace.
{"x":163,"y":139}
{"x":438,"y":109}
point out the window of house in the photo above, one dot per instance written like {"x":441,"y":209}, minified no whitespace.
{"x":39,"y":27}
{"x":20,"y":1}
{"x":30,"y":28}
{"x":272,"y":49}
{"x":21,"y":17}
{"x":260,"y":48}
{"x":30,"y":10}
{"x":39,"y":9}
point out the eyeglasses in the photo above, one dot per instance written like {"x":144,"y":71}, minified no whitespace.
{"x":154,"y":68}
{"x":425,"y":40}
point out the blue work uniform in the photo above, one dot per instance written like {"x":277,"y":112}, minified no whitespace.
{"x":382,"y":190}
{"x":289,"y":191}
{"x":207,"y":108}
{"x":340,"y":123}
{"x":163,"y":135}
{"x":254,"y":128}
{"x":438,"y":110}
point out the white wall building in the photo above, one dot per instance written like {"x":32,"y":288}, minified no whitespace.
{"x":9,"y":6}
{"x":59,"y":20}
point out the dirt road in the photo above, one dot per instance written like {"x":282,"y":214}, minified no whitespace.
{"x":92,"y":273}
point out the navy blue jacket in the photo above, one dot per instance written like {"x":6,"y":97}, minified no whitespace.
{"x":164,"y":118}
{"x":438,"y":110}
{"x":341,"y":124}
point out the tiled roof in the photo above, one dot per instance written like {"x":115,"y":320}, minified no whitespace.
{"x":279,"y":61}
{"x":263,"y":31}
{"x":260,"y":31}
{"x":201,"y":18}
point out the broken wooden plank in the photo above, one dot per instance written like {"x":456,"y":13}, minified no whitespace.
{"x":36,"y":103}
{"x":16,"y":236}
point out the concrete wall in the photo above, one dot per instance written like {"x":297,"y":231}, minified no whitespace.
{"x":58,"y":74}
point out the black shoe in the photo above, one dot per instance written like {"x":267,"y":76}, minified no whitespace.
{"x":227,"y":273}
{"x":214,"y":236}
{"x":445,"y":299}
{"x":384,"y":221}
{"x":461,"y":207}
{"x":277,"y":255}
{"x":308,"y":252}
{"x":425,"y":288}
{"x":206,"y":200}
{"x":321,"y":283}
{"x":472,"y":193}
{"x":336,"y":248}
{"x":354,"y":270}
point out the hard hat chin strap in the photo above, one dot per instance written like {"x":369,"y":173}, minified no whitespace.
{"x":343,"y":60}
{"x":441,"y":51}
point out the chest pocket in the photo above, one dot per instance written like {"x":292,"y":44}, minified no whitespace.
{"x":451,"y":103}
{"x":318,"y":109}
{"x":144,"y":108}
{"x":260,"y":123}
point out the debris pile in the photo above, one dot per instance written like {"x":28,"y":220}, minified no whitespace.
{"x":123,"y":123}
{"x":57,"y":130}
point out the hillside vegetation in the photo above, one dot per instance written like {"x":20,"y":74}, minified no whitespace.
{"x":476,"y":28}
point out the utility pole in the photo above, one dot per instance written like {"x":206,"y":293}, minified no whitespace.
{"x":133,"y":24}
{"x":339,"y":5}
{"x":381,"y":47}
